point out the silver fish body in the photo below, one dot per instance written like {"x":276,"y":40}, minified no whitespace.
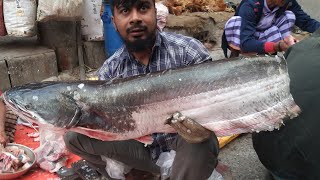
{"x":226,"y":96}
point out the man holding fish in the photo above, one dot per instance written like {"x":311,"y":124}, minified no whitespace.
{"x":148,"y":50}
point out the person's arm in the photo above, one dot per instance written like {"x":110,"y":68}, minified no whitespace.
{"x":196,"y":53}
{"x":303,"y":20}
{"x":3,"y":136}
{"x":110,"y":67}
{"x":104,"y":73}
{"x":248,"y":42}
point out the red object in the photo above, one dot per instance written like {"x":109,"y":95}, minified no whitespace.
{"x":21,"y":137}
{"x":269,"y":47}
{"x":3,"y":31}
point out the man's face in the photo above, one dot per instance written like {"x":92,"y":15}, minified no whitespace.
{"x":136,"y":22}
{"x":280,"y":3}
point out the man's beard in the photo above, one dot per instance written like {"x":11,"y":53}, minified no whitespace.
{"x":139,"y":45}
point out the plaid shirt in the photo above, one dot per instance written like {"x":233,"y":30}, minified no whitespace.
{"x":170,"y":51}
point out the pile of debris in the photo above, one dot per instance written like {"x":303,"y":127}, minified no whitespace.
{"x":177,"y":7}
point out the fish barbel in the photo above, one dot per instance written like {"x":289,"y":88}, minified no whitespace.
{"x":227,"y":97}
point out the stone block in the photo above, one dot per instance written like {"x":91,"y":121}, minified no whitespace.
{"x":63,"y":37}
{"x":55,"y":34}
{"x":4,"y":76}
{"x":94,"y":54}
{"x":67,"y":57}
{"x":206,"y":27}
{"x":26,"y":61}
{"x":32,"y":67}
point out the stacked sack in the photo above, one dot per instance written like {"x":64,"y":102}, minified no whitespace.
{"x":19,"y":17}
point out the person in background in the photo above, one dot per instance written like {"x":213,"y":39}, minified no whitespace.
{"x":264,"y":27}
{"x":148,"y":50}
{"x":3,"y":136}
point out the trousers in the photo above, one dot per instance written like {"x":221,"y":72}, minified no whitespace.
{"x":192,"y":161}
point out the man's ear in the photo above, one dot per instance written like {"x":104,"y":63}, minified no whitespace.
{"x":114,"y":24}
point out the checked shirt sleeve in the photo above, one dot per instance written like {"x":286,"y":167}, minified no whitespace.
{"x":196,"y":53}
{"x":104,"y":73}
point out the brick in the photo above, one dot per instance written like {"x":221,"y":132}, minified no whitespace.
{"x":4,"y":76}
{"x":32,"y":68}
{"x":94,"y":54}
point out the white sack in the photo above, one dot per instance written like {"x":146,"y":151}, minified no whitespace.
{"x":63,"y":10}
{"x":20,"y":17}
{"x":91,"y":23}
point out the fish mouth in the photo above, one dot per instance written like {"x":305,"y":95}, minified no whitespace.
{"x":18,"y":110}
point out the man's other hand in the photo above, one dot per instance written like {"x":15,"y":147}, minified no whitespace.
{"x":188,"y":129}
{"x":3,"y":138}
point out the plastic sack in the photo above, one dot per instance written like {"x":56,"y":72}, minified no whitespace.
{"x":165,"y":162}
{"x":162,"y":14}
{"x":52,"y":153}
{"x":20,"y":17}
{"x":115,"y":169}
{"x":215,"y":176}
{"x":91,"y":23}
{"x":63,"y":10}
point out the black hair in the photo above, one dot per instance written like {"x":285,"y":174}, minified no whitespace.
{"x":118,"y":3}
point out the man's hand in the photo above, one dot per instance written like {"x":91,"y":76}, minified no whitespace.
{"x":290,"y":40}
{"x":283,"y":45}
{"x":280,"y":46}
{"x":188,"y":129}
{"x":3,"y":138}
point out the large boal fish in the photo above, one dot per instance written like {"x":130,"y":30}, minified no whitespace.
{"x":226,"y":96}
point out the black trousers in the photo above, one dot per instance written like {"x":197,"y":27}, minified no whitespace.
{"x":293,"y":152}
{"x":192,"y":161}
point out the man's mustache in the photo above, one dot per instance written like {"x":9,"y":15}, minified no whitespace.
{"x":135,"y":27}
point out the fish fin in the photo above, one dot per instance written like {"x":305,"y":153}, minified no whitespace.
{"x":145,"y":139}
{"x":70,"y":107}
{"x":189,"y":129}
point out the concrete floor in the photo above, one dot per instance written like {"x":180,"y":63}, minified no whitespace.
{"x":242,"y":160}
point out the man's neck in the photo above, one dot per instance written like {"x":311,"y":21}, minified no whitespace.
{"x":143,"y":57}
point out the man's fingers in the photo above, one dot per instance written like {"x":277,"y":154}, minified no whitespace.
{"x":4,"y":139}
{"x":189,"y":129}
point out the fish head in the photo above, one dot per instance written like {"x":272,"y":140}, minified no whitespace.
{"x":41,"y":103}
